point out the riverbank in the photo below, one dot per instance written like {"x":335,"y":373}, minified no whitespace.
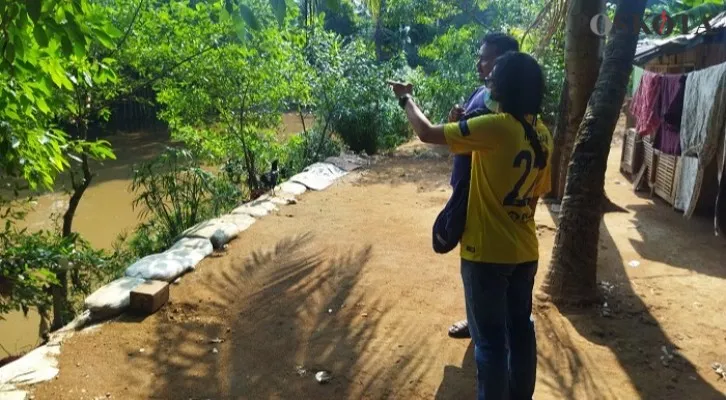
{"x":105,"y":212}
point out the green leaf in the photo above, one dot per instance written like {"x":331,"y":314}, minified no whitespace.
{"x":10,"y":52}
{"x":249,"y":16}
{"x":76,"y":34}
{"x":112,"y":31}
{"x":105,"y":39}
{"x":33,"y":7}
{"x":19,"y":48}
{"x":228,"y":6}
{"x":279,"y":7}
{"x":42,"y":105}
{"x":12,"y":114}
{"x":67,"y":46}
{"x":44,"y":85}
{"x":40,"y":35}
{"x":87,"y":78}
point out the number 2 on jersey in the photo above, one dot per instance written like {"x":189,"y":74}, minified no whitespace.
{"x":513,"y":199}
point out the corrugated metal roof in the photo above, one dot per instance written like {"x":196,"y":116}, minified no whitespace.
{"x":648,"y":49}
{"x":719,"y":21}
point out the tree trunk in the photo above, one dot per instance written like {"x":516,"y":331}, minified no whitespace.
{"x":60,"y":291}
{"x":78,"y":189}
{"x":582,"y":60}
{"x":572,"y":277}
{"x":558,"y":137}
{"x":378,"y":33}
{"x":60,"y":301}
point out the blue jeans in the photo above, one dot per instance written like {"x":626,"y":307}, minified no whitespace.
{"x":499,"y":310}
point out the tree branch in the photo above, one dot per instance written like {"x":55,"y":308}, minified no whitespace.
{"x":128,"y":30}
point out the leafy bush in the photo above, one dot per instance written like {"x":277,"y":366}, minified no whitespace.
{"x":307,"y":148}
{"x":226,"y":109}
{"x":351,"y":97}
{"x":450,"y":75}
{"x":552,"y":61}
{"x":175,"y":193}
{"x":44,"y":270}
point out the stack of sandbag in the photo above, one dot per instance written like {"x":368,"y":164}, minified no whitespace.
{"x":169,"y":265}
{"x":114,"y":297}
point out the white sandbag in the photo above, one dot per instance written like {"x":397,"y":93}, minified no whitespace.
{"x":319,"y":176}
{"x":283,"y":200}
{"x":165,"y":266}
{"x":112,"y":298}
{"x":243,"y":221}
{"x":10,"y":393}
{"x":39,"y":365}
{"x":194,"y":249}
{"x":201,"y":245}
{"x":256,"y":208}
{"x":217,"y":231}
{"x":291,"y":188}
{"x":279,"y":199}
{"x":347,"y":162}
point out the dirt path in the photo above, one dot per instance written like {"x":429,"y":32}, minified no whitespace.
{"x":346,"y":281}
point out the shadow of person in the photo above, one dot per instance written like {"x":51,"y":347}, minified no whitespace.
{"x":459,"y":382}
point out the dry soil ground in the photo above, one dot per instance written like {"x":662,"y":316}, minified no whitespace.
{"x":346,"y":281}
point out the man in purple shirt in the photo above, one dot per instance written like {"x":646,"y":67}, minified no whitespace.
{"x":493,"y":46}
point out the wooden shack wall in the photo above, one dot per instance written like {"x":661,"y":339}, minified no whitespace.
{"x":699,"y":57}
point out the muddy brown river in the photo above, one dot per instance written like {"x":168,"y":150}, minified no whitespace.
{"x":105,"y":212}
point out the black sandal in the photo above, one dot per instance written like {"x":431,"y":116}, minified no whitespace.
{"x":459,"y":330}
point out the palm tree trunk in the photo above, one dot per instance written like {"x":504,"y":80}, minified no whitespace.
{"x":582,"y":61}
{"x":572,"y":276}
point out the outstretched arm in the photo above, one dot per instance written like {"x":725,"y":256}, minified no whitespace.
{"x":424,"y":129}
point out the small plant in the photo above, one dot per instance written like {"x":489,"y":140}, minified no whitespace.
{"x":175,"y":193}
{"x":48,"y":271}
{"x":307,"y":148}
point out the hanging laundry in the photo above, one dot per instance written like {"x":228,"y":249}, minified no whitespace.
{"x":719,"y":218}
{"x":702,"y":128}
{"x":635,"y":81}
{"x":668,"y":138}
{"x":645,"y":104}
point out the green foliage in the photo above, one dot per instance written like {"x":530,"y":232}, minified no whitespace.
{"x":32,"y":262}
{"x":350,"y":95}
{"x":225,"y":107}
{"x":451,"y":71}
{"x":695,"y":10}
{"x":39,"y":40}
{"x":174,"y":193}
{"x":552,"y":61}
{"x":307,"y":148}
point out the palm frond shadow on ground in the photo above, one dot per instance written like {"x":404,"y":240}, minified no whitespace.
{"x":289,"y":308}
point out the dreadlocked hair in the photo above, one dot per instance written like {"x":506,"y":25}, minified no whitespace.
{"x":518,"y":87}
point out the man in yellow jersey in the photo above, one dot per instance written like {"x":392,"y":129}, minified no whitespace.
{"x":499,"y":248}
